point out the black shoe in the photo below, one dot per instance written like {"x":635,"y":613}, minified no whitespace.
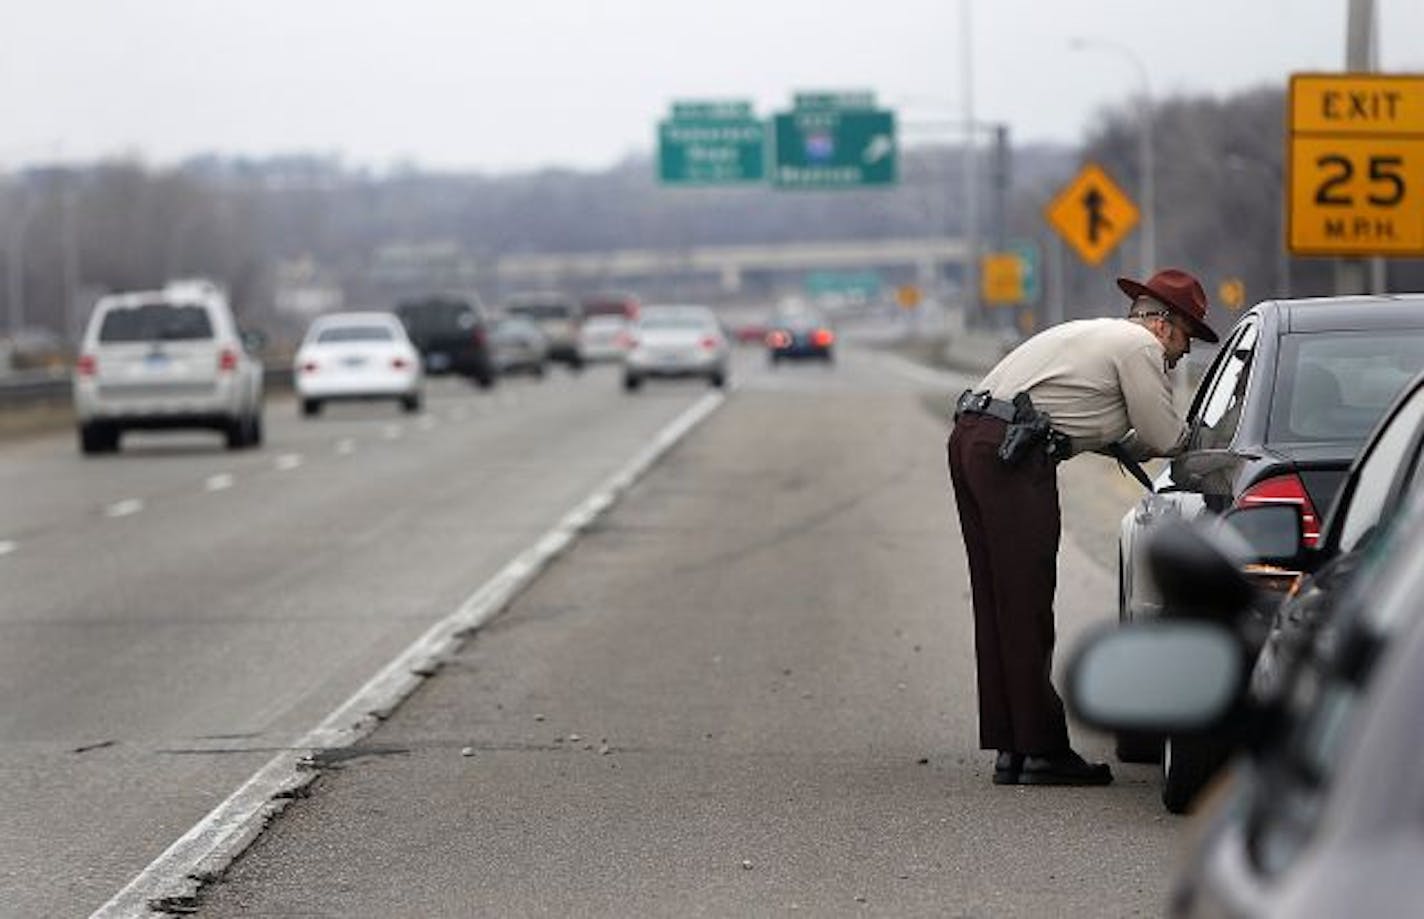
{"x":1067,"y":768}
{"x":1006,"y":768}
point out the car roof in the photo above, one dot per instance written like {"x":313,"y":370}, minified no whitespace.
{"x":1360,"y":313}
{"x":366,"y":317}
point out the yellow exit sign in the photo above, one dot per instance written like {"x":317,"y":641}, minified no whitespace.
{"x":1355,"y":165}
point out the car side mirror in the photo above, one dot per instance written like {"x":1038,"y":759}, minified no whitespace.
{"x":1159,"y":676}
{"x":1198,"y":572}
{"x":1272,"y":531}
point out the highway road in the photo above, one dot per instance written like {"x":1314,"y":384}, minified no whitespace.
{"x":769,"y":632}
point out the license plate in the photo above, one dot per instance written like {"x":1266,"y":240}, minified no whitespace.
{"x":353,"y":362}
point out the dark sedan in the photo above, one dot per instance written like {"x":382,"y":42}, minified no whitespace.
{"x":1322,"y":815}
{"x":1295,"y":388}
{"x":452,"y":336}
{"x":798,"y":336}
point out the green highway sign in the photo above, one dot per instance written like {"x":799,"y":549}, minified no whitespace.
{"x":829,"y":147}
{"x":840,"y":102}
{"x":855,"y":285}
{"x":711,"y":143}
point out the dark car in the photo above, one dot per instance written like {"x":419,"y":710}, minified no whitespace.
{"x":798,"y":336}
{"x":1278,"y":417}
{"x":1323,"y":815}
{"x":452,"y":336}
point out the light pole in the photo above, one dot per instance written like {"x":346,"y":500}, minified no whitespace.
{"x":1239,"y":163}
{"x":1148,"y":241}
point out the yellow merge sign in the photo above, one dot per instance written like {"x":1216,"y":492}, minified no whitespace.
{"x":1355,"y":164}
{"x":1092,"y":214}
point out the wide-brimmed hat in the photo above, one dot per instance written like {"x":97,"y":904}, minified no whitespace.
{"x":1178,"y":291}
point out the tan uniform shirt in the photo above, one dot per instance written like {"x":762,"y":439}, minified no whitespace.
{"x":1097,"y":379}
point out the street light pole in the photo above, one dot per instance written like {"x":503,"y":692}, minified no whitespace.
{"x":1147,"y":256}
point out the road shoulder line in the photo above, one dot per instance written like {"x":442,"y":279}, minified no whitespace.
{"x":173,"y":880}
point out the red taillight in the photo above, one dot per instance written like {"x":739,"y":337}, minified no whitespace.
{"x":822,"y":338}
{"x":227,"y":360}
{"x":86,"y":366}
{"x":710,"y":342}
{"x":777,"y":339}
{"x":309,"y":367}
{"x":627,"y":342}
{"x":399,"y":363}
{"x":1286,"y":489}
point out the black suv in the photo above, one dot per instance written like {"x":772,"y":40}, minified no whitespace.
{"x":452,"y":336}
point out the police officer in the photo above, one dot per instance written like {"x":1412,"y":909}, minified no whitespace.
{"x":1078,"y":386}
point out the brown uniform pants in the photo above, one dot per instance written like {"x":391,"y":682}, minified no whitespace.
{"x":1010,"y":519}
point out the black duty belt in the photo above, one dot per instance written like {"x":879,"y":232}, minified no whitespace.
{"x":981,"y":403}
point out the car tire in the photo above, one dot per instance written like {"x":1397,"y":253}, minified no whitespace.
{"x":631,"y":383}
{"x":576,"y":365}
{"x":254,"y":431}
{"x":1188,"y":764}
{"x":718,"y":380}
{"x":311,"y":407}
{"x":235,"y":432}
{"x":96,"y":437}
{"x":410,"y":404}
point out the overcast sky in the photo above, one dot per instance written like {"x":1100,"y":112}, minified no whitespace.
{"x":502,"y":86}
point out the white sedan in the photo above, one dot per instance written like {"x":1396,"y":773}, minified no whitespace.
{"x":676,"y":341}
{"x":349,"y":356}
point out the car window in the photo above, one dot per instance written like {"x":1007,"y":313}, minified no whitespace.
{"x":690,"y":321}
{"x":348,"y":333}
{"x":1221,"y":413}
{"x":1335,"y":386}
{"x":156,"y":322}
{"x":437,"y":316}
{"x":543,"y":310}
{"x":1378,"y":470}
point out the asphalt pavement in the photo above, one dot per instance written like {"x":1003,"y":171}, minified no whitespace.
{"x":747,"y":690}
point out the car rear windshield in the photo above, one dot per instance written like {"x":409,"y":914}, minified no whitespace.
{"x":542,"y":310}
{"x":437,"y":315}
{"x":156,"y":322}
{"x":344,"y":333}
{"x":1334,"y":386}
{"x":675,"y":321}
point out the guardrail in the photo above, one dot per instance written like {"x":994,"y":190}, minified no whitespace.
{"x":44,"y":387}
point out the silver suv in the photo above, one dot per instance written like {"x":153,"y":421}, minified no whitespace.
{"x":170,"y":358}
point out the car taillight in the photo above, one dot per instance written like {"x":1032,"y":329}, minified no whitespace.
{"x":399,"y":363}
{"x":1286,"y":489}
{"x":777,"y":339}
{"x":627,"y":342}
{"x":309,"y":367}
{"x":710,"y":342}
{"x":822,"y":338}
{"x":86,"y":366}
{"x":227,"y":360}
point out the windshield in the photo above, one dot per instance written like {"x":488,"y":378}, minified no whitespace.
{"x":543,"y":310}
{"x":156,"y":322}
{"x":1335,"y":386}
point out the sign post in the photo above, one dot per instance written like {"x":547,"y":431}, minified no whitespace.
{"x":1355,"y":165}
{"x":1092,"y":214}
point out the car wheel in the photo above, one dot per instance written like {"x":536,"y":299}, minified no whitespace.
{"x":1188,"y":764}
{"x":631,"y":383}
{"x":410,"y":404}
{"x":254,"y":430}
{"x":95,"y":437}
{"x":236,"y":433}
{"x":576,"y":365}
{"x":718,"y":380}
{"x":1133,"y":746}
{"x":311,"y":407}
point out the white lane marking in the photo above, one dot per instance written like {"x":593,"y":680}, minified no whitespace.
{"x":391,"y":432}
{"x":7,"y":546}
{"x":345,"y":446}
{"x":124,"y":508}
{"x":288,"y":461}
{"x":211,"y":845}
{"x":219,"y":482}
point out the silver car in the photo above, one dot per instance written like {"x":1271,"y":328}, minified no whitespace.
{"x":170,"y":358}
{"x":676,"y":341}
